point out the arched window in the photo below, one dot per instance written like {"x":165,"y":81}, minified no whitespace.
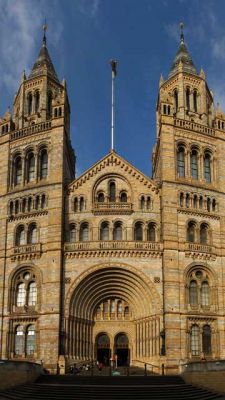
{"x":151,"y":232}
{"x":21,"y":295}
{"x":194,"y":164}
{"x":112,"y":306}
{"x":203,"y":234}
{"x":101,"y":197}
{"x":82,"y":204}
{"x":29,"y":103}
{"x":181,"y":199}
{"x":24,"y":205}
{"x":149,"y":203}
{"x":200,"y":202}
{"x":195,"y":348}
{"x":72,"y":233}
{"x":176,"y":100}
{"x":187,"y":200}
{"x":30,"y":204}
{"x":32,"y":234}
{"x":105,"y":306}
{"x":208,"y":204}
{"x":60,"y":111}
{"x":76,"y":204}
{"x":49,"y":104}
{"x":37,"y":102}
{"x":11,"y":208}
{"x":112,"y":192}
{"x":214,"y":205}
{"x":195,"y":201}
{"x":20,"y":236}
{"x":195,"y":101}
{"x":180,"y":162}
{"x":193,"y":293}
{"x":191,"y":232}
{"x":206,"y":340}
{"x":126,"y":311}
{"x":56,"y":113}
{"x":32,"y":294}
{"x":119,"y":307}
{"x":142,"y":202}
{"x":44,"y":164}
{"x":17,"y":207}
{"x":188,"y":99}
{"x":19,"y":340}
{"x":43,"y":201}
{"x":138,"y":231}
{"x":30,"y":168}
{"x":18,"y":171}
{"x":104,"y":231}
{"x":123,"y":197}
{"x":84,"y":232}
{"x":207,"y":167}
{"x":30,"y":340}
{"x":117,"y":231}
{"x":205,"y":294}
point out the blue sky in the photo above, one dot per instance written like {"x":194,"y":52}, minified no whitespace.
{"x":83,"y":35}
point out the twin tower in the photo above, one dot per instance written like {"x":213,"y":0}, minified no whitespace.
{"x":112,"y":263}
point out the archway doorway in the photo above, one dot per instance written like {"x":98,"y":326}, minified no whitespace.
{"x":103,"y":348}
{"x":121,"y":349}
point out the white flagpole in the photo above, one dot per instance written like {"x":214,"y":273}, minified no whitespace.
{"x":113,"y":65}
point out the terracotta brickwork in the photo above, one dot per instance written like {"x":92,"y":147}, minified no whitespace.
{"x":113,"y":262}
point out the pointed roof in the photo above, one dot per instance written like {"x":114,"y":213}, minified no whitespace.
{"x":43,"y":62}
{"x":184,"y":57}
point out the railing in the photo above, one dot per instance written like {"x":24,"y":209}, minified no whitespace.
{"x":112,"y":207}
{"x":148,"y":367}
{"x":43,"y":126}
{"x":181,"y":123}
{"x":29,"y":248}
{"x":113,"y":245}
{"x":200,"y":248}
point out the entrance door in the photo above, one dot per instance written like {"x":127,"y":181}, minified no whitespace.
{"x":103,"y":348}
{"x":122,"y":349}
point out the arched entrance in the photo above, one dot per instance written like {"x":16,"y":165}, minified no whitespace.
{"x":103,"y":352}
{"x":121,"y":349}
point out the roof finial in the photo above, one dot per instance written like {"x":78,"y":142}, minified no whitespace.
{"x":45,"y":27}
{"x":181,"y":32}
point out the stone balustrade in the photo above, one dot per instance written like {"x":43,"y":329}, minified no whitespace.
{"x":113,"y":245}
{"x":193,"y":126}
{"x":120,"y":207}
{"x":27,"y":251}
{"x":43,"y":126}
{"x":200,"y":248}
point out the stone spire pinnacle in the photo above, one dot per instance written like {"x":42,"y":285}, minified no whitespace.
{"x":43,"y":63}
{"x":183,"y":56}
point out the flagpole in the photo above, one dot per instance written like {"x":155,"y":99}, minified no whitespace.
{"x":113,"y":65}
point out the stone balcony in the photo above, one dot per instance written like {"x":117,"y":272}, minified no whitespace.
{"x":113,"y":247}
{"x":112,"y":208}
{"x":43,"y":126}
{"x":28,"y":251}
{"x":181,"y":123}
{"x":197,"y":250}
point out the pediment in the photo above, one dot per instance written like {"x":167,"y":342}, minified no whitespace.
{"x":105,"y":165}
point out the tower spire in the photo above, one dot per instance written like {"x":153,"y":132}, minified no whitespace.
{"x":44,"y":40}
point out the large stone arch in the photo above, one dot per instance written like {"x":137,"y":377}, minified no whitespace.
{"x":98,"y":283}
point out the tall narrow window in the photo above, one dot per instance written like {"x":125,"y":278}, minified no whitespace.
{"x":194,"y":164}
{"x":138,"y":231}
{"x":200,"y":202}
{"x":32,"y":294}
{"x":191,"y":232}
{"x":21,"y":295}
{"x":123,"y":197}
{"x":180,"y":162}
{"x":101,"y":197}
{"x":119,"y":307}
{"x":151,"y":232}
{"x":32,"y":234}
{"x":149,"y":203}
{"x":195,"y":201}
{"x":181,"y":200}
{"x":76,"y":204}
{"x":112,"y":192}
{"x":176,"y":100}
{"x":18,"y":170}
{"x":117,"y":231}
{"x":37,"y":101}
{"x":188,"y":99}
{"x":31,"y":168}
{"x":84,"y":232}
{"x":49,"y":104}
{"x":187,"y":200}
{"x":193,"y":293}
{"x":72,"y":233}
{"x":20,"y":236}
{"x":19,"y":340}
{"x":207,"y":167}
{"x":195,"y":101}
{"x":44,"y":164}
{"x":195,"y":348}
{"x":142,"y":202}
{"x":30,"y":340}
{"x":205,"y":294}
{"x":29,"y":103}
{"x":203,"y":234}
{"x":206,"y":340}
{"x":104,"y":231}
{"x":82,"y":204}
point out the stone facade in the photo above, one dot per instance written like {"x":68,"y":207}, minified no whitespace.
{"x":113,"y":262}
